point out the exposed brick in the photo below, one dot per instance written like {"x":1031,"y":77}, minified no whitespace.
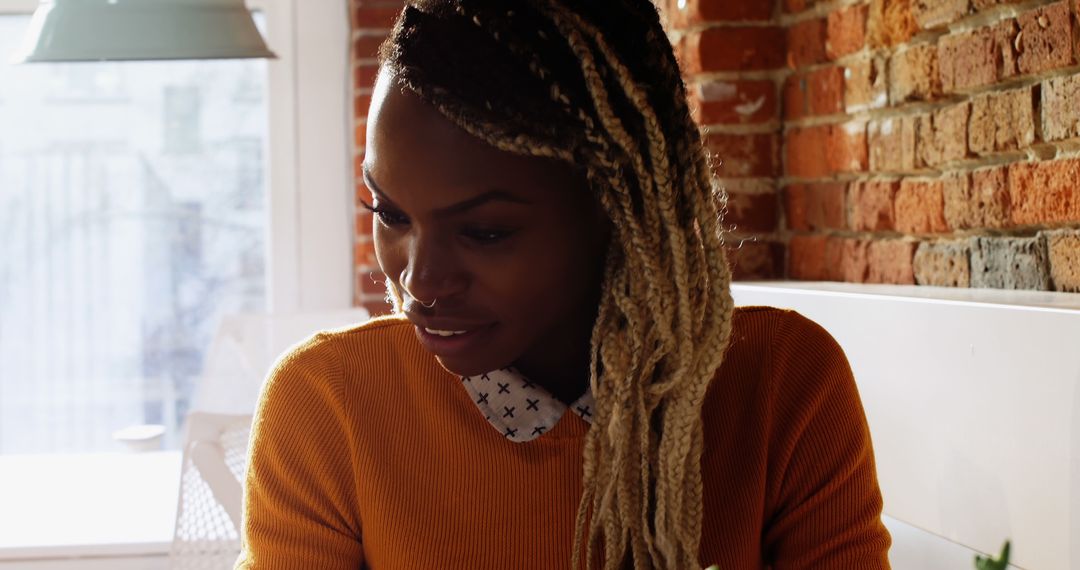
{"x":806,"y":43}
{"x":815,"y":206}
{"x":733,"y":49}
{"x":1063,"y":250}
{"x":846,"y":31}
{"x":846,"y":149}
{"x":804,"y":152}
{"x":377,"y":308}
{"x":920,"y":206}
{"x":734,"y":102}
{"x":694,"y":12}
{"x":756,"y":260}
{"x":366,"y":45}
{"x":930,"y":14}
{"x":1044,"y":192}
{"x":864,"y":86}
{"x":890,"y":23}
{"x":364,"y":75}
{"x":1009,"y":263}
{"x":820,"y":92}
{"x":751,"y":212}
{"x":978,"y":57}
{"x":377,"y":17}
{"x":369,"y":283}
{"x":890,"y":261}
{"x":913,"y":74}
{"x":984,"y":4}
{"x":1046,"y":38}
{"x":871,"y":205}
{"x":744,"y":154}
{"x":1061,"y":108}
{"x":806,"y":258}
{"x":981,"y":202}
{"x":1002,"y":121}
{"x":814,"y":152}
{"x":941,"y":136}
{"x":943,"y":264}
{"x":847,"y":259}
{"x":892,"y":144}
{"x":364,"y":252}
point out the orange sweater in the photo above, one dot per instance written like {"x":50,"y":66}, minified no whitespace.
{"x":365,"y":452}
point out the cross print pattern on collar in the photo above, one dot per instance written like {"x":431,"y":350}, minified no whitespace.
{"x":518,"y":409}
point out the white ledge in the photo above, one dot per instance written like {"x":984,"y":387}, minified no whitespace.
{"x":1003,"y":297}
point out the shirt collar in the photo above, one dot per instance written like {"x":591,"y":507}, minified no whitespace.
{"x":519,"y":409}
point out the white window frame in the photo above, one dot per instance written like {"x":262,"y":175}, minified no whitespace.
{"x":311,"y":209}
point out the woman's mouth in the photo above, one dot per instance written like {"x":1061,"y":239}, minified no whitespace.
{"x":451,"y":341}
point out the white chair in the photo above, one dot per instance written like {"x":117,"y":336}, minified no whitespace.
{"x":208,"y":516}
{"x":210,"y":504}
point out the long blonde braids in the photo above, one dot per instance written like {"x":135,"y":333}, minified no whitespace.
{"x":569,"y":81}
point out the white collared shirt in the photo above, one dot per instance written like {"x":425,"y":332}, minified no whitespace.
{"x":519,"y":409}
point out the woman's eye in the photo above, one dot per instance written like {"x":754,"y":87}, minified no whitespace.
{"x":486,"y":236}
{"x":390,"y":218}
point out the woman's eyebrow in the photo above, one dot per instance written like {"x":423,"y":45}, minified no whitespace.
{"x":494,"y":195}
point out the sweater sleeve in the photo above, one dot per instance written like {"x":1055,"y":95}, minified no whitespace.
{"x":825,"y":501}
{"x":299,"y":494}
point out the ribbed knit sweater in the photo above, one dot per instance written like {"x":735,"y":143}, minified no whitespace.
{"x":365,"y":452}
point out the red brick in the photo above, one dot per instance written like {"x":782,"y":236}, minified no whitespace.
{"x":733,"y":49}
{"x":847,"y":259}
{"x":360,"y":134}
{"x":792,"y":6}
{"x":364,"y":253}
{"x":364,"y":75}
{"x":1044,"y":192}
{"x":1063,"y":248}
{"x":1003,"y":120}
{"x":1046,"y":38}
{"x":871,"y":205}
{"x":806,"y":43}
{"x":890,"y":23}
{"x":943,"y":264}
{"x":370,"y":283}
{"x":695,"y":12}
{"x":864,"y":85}
{"x":734,"y":102}
{"x":756,"y":260}
{"x":366,"y":46}
{"x":815,"y":206}
{"x":892,"y":144}
{"x":847,"y":149}
{"x":806,"y":258}
{"x":755,"y":213}
{"x":820,"y":92}
{"x":984,"y":4}
{"x":978,"y":202}
{"x":377,"y":308}
{"x":376,"y":17}
{"x":941,"y":136}
{"x":979,"y":57}
{"x":920,"y":207}
{"x":931,"y":14}
{"x":744,"y":154}
{"x":805,"y":150}
{"x":913,"y":74}
{"x":846,"y":31}
{"x":890,"y":261}
{"x":1061,"y":108}
{"x":361,"y":104}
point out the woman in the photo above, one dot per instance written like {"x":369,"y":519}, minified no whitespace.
{"x":544,"y":214}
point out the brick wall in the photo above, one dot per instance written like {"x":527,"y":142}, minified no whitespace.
{"x":934,"y":142}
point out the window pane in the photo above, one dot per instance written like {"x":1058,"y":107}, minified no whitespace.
{"x":132,"y":217}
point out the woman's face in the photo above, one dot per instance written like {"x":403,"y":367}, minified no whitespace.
{"x":509,"y":248}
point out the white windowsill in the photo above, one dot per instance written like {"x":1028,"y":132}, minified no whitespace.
{"x":1018,"y":298}
{"x":87,"y":505}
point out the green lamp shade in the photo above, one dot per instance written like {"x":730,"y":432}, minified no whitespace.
{"x":124,"y":30}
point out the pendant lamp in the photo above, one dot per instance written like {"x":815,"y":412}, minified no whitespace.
{"x":127,"y":30}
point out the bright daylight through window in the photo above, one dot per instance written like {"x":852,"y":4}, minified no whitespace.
{"x":132,"y":217}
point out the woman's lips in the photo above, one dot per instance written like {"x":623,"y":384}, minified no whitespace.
{"x":451,"y":345}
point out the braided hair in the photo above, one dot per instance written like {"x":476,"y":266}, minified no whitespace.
{"x":596,"y":84}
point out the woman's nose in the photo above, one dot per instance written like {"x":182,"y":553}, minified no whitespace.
{"x":431,"y":273}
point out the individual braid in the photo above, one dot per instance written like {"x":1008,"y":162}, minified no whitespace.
{"x":574,"y":82}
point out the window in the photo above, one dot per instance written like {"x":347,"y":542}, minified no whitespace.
{"x":142,"y":201}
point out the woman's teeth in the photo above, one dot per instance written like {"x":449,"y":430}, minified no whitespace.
{"x":443,"y":333}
